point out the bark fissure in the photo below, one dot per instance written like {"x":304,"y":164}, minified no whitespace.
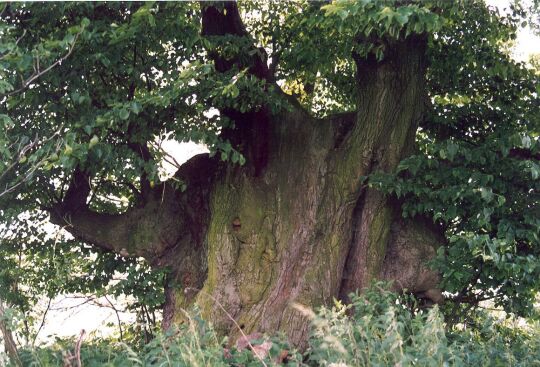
{"x":391,"y":104}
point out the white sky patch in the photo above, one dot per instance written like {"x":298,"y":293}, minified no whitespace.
{"x":68,"y":315}
{"x":527,"y":42}
{"x":181,"y":152}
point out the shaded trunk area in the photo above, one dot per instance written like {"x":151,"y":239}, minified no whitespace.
{"x":303,"y":228}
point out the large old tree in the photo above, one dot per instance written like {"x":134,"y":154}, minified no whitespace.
{"x":349,"y":141}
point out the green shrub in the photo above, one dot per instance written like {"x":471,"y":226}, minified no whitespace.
{"x":194,"y":344}
{"x":378,"y":328}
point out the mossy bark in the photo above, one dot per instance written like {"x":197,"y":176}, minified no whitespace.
{"x":295,"y":224}
{"x":303,"y":229}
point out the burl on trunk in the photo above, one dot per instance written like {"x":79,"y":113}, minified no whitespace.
{"x":293,"y":225}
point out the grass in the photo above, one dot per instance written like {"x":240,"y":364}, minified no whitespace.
{"x":376,"y":329}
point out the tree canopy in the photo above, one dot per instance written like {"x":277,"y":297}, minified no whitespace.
{"x":90,"y":91}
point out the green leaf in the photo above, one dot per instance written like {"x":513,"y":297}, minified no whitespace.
{"x":124,"y":113}
{"x":486,"y":194}
{"x":68,"y":150}
{"x":451,"y":149}
{"x":93,"y":141}
{"x":526,"y":141}
{"x":535,"y":171}
{"x":235,"y":157}
{"x":135,"y":107}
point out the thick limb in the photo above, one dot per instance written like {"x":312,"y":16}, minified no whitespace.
{"x":162,"y":220}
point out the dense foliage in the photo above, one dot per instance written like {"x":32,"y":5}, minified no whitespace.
{"x":100,"y":86}
{"x":478,"y":169}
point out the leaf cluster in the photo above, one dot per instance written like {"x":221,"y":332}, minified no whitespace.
{"x":477,"y":167}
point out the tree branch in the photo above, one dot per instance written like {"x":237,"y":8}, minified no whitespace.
{"x":252,"y":131}
{"x":7,"y":335}
{"x":223,"y":19}
{"x":38,"y":73}
{"x":166,"y":218}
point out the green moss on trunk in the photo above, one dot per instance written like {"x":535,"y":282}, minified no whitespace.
{"x":304,"y":230}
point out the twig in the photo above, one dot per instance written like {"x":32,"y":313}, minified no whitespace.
{"x":42,"y":322}
{"x":71,"y":307}
{"x":20,"y":154}
{"x":3,"y":9}
{"x":117,"y":318}
{"x":16,"y":43}
{"x":38,"y":73}
{"x":32,"y":169}
{"x":166,"y":155}
{"x":78,"y":348}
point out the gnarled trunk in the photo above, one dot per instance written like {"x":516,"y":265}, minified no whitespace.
{"x":295,"y":224}
{"x":303,"y":229}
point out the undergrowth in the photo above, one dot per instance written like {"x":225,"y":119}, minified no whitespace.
{"x":378,"y":328}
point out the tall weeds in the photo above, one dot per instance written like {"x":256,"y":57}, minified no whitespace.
{"x":378,"y":328}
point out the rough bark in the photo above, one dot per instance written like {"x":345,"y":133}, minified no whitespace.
{"x":167,"y":227}
{"x":295,"y":224}
{"x":305,"y":230}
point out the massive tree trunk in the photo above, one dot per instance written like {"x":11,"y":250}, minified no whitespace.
{"x":295,"y":224}
{"x":305,"y":230}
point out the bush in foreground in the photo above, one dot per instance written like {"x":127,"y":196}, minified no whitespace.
{"x":383,"y":331}
{"x":378,"y":328}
